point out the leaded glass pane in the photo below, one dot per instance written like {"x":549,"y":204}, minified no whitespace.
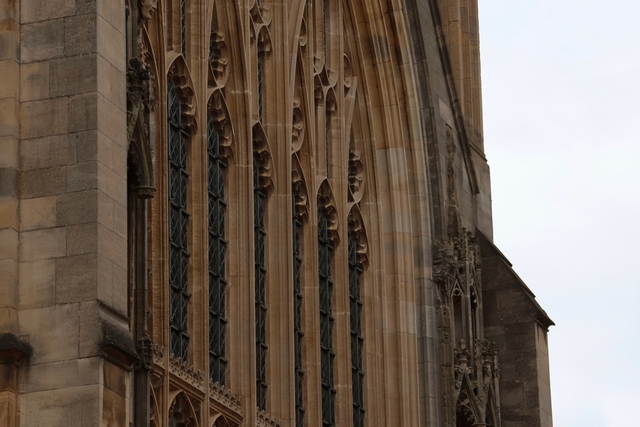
{"x":177,"y":137}
{"x":183,"y":26}
{"x":326,"y":322}
{"x":261,"y":65}
{"x":357,"y":341}
{"x":217,"y":254}
{"x":259,"y":232}
{"x":297,"y":300}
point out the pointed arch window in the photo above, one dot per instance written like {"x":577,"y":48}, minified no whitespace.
{"x":325,"y":250}
{"x":357,"y":340}
{"x":297,"y":322}
{"x":178,"y":134}
{"x":260,"y":234}
{"x":217,"y":255}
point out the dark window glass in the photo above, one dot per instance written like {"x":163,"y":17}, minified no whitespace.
{"x":217,"y":256}
{"x":183,"y":26}
{"x":297,"y":316}
{"x":357,"y":341}
{"x":178,"y":135}
{"x":259,"y":204}
{"x":327,"y":355}
{"x":327,"y":138}
{"x":325,"y":27}
{"x":261,"y":64}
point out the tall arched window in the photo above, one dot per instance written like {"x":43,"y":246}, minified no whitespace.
{"x":325,"y":250}
{"x":357,"y":340}
{"x":297,"y":314}
{"x":217,"y":256}
{"x":259,"y":205}
{"x":178,"y":134}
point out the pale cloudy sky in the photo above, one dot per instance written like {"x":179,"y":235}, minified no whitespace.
{"x":561,"y":87}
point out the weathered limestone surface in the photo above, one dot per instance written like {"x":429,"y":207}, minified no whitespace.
{"x":367,"y":112}
{"x":63,"y":209}
{"x":518,"y":326}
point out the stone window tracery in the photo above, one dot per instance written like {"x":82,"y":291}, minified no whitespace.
{"x":357,"y":340}
{"x":297,"y":316}
{"x":178,"y":135}
{"x":183,"y":27}
{"x":327,"y":355}
{"x":217,"y":255}
{"x":260,"y":234}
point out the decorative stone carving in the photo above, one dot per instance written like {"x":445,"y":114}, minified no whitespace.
{"x":158,"y":353}
{"x":327,"y":203}
{"x":144,"y":348}
{"x":356,"y":176}
{"x":262,"y":157}
{"x":219,"y":113}
{"x":267,"y":420}
{"x":188,"y":373}
{"x":260,"y":20}
{"x":299,"y":184}
{"x":182,"y":413}
{"x":179,"y":74}
{"x":359,"y":234}
{"x":298,"y":123}
{"x":147,"y":9}
{"x":218,"y":59}
{"x":224,"y":396}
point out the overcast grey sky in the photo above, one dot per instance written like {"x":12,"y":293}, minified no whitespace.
{"x":561,"y":88}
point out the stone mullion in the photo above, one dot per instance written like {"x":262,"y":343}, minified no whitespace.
{"x":241,"y":294}
{"x":339,"y":184}
{"x":9,"y":165}
{"x":77,"y":240}
{"x":280,"y":334}
{"x":198,"y":199}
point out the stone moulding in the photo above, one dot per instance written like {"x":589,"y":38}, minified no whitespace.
{"x":158,"y":353}
{"x":185,"y":372}
{"x":224,"y":396}
{"x":265,"y":419}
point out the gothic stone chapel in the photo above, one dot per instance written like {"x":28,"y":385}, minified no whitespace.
{"x":225,"y":213}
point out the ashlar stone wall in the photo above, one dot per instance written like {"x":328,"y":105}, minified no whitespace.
{"x":63,"y":201}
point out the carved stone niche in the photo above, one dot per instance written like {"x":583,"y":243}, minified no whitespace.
{"x":299,"y":189}
{"x":218,"y":60}
{"x":260,"y":22}
{"x":327,"y":206}
{"x":450,"y":260}
{"x":179,"y":75}
{"x":298,"y":122}
{"x":356,"y":176}
{"x":262,"y":158}
{"x":359,"y":235}
{"x":220,"y":118}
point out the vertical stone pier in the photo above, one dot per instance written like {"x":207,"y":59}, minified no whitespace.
{"x":64,"y":333}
